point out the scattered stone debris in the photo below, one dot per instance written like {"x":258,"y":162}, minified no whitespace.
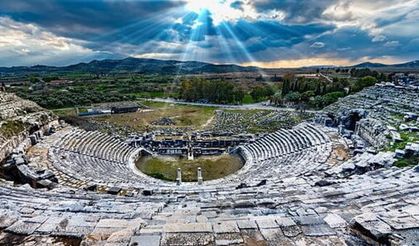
{"x":16,"y":168}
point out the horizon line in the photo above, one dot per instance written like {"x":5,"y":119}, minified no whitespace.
{"x":244,"y":65}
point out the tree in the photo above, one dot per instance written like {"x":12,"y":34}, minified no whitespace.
{"x":293,"y":97}
{"x":288,"y":78}
{"x":318,"y":102}
{"x":330,"y":98}
{"x":217,"y":91}
{"x":238,"y":95}
{"x":305,"y":96}
{"x":262,"y":92}
{"x":364,"y":82}
{"x":276,"y":99}
{"x":285,"y":87}
{"x":33,"y":80}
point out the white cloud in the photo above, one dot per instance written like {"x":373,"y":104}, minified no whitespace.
{"x":367,"y":15}
{"x":392,"y":44}
{"x":379,"y":38}
{"x":224,"y":10}
{"x":28,"y":44}
{"x":317,"y":45}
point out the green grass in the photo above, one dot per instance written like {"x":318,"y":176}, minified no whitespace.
{"x":407,"y":137}
{"x":11,"y":128}
{"x":398,"y":117}
{"x":248,"y":99}
{"x":65,"y":112}
{"x":154,"y":104}
{"x":212,"y":167}
{"x":153,"y":94}
{"x":407,"y":162}
{"x":184,"y":116}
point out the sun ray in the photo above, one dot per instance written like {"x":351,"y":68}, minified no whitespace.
{"x":241,"y":46}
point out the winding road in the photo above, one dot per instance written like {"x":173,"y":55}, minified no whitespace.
{"x":257,"y":106}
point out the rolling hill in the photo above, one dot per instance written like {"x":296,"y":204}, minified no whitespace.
{"x":133,"y":65}
{"x":412,"y":64}
{"x":169,"y":67}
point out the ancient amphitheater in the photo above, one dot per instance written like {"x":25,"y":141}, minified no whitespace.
{"x":294,"y":188}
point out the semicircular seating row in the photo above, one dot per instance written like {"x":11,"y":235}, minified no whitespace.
{"x":97,"y":158}
{"x":94,"y":158}
{"x":391,"y":194}
{"x":285,"y":153}
{"x":378,"y":187}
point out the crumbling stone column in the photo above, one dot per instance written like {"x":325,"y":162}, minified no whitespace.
{"x":200,"y":179}
{"x":179,"y":176}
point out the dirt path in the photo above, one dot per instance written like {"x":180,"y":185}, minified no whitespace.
{"x":209,"y":121}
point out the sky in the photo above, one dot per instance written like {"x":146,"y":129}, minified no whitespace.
{"x":265,"y":33}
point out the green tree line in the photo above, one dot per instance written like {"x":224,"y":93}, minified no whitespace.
{"x":214,"y":91}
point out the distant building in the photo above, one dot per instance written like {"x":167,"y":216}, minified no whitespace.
{"x":124,"y":109}
{"x":112,"y":108}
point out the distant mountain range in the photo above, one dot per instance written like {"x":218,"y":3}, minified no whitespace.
{"x":166,"y":67}
{"x":133,"y":65}
{"x":412,"y":64}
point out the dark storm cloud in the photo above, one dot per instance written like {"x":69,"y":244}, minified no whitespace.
{"x":81,"y":19}
{"x":237,"y":5}
{"x":297,"y":11}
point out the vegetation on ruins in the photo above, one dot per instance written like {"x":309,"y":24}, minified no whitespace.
{"x":407,"y":162}
{"x":11,"y":128}
{"x":406,"y":137}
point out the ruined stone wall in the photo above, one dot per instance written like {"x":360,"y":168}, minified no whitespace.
{"x":27,"y":116}
{"x":21,"y":140}
{"x":8,"y":145}
{"x":373,"y":132}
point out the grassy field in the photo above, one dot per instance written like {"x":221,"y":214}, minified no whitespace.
{"x":184,"y":116}
{"x":212,"y":167}
{"x":155,"y":94}
{"x":65,"y":112}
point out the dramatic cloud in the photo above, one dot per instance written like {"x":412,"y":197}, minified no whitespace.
{"x":27,"y":44}
{"x":264,"y":32}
